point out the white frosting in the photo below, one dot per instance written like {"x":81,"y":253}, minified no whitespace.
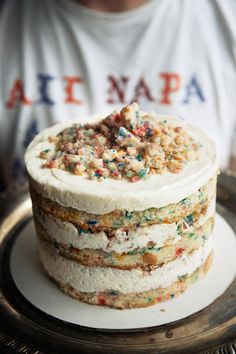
{"x":67,"y":234}
{"x":157,"y":190}
{"x":90,"y":279}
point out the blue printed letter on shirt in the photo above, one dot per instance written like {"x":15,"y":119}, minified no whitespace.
{"x":193,"y":89}
{"x":44,"y":80}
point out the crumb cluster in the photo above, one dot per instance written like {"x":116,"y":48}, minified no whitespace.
{"x":125,"y":144}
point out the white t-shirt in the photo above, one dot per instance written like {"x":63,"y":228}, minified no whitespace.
{"x":60,"y":61}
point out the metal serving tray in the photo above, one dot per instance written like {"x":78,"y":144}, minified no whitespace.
{"x":26,"y":329}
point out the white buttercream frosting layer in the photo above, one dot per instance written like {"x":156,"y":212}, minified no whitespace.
{"x":88,"y":195}
{"x":67,"y":234}
{"x":91,"y":279}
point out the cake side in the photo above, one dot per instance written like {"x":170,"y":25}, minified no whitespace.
{"x":193,"y":204}
{"x":121,"y":288}
{"x":122,"y":239}
{"x":142,"y":299}
{"x":185,"y":239}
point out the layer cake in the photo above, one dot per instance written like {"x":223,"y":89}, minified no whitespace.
{"x":123,"y":206}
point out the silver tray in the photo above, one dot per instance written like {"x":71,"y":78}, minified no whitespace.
{"x":26,"y":329}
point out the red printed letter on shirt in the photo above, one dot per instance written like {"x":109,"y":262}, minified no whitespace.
{"x":70,"y":82}
{"x":142,"y":89}
{"x":117,"y":87}
{"x":171,"y":84}
{"x":17,"y":95}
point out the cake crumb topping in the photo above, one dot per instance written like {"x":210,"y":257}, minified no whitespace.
{"x":125,"y":144}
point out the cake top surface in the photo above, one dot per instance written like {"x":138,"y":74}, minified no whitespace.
{"x":126,"y":144}
{"x":90,"y":164}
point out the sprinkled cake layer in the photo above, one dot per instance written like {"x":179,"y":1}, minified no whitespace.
{"x":147,"y":257}
{"x":192,"y":205}
{"x":93,"y":279}
{"x":118,"y":300}
{"x":117,"y":240}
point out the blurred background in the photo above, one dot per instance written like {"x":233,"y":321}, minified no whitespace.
{"x":62,"y":60}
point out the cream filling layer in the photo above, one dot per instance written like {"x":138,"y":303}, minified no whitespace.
{"x":156,"y":191}
{"x":92,"y":279}
{"x":67,"y":234}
